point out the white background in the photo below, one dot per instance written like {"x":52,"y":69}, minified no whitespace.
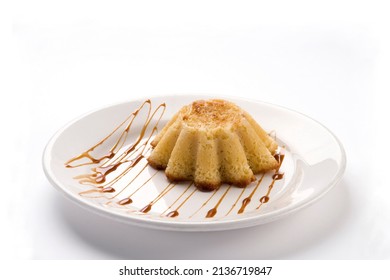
{"x":62,"y":59}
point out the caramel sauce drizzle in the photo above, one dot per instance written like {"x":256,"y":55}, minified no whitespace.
{"x":177,"y":199}
{"x":277,"y":176}
{"x":248,"y":199}
{"x":204,"y":203}
{"x":99,"y":173}
{"x":98,"y":190}
{"x":167,"y":189}
{"x":265,"y":198}
{"x":175,"y":212}
{"x":235,"y":202}
{"x":140,"y":187}
{"x":111,"y":152}
{"x":136,"y":153}
{"x":110,"y":162}
{"x":279,"y":156}
{"x":211,"y":213}
{"x":132,"y":180}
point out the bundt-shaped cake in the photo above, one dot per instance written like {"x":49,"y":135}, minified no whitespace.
{"x":213,"y":142}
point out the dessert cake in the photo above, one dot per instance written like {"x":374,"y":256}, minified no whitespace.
{"x":212,"y":142}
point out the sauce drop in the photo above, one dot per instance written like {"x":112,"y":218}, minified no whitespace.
{"x":264,"y":199}
{"x":245,"y":203}
{"x":108,"y":190}
{"x":173,"y":214}
{"x":211,"y":213}
{"x":125,"y":201}
{"x":146,"y":209}
{"x":278,"y":176}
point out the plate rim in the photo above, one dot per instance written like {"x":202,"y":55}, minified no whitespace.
{"x":172,"y":225}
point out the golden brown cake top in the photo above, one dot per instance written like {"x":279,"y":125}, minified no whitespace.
{"x":211,"y":114}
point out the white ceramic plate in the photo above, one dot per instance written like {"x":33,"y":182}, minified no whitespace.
{"x":314,"y":162}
